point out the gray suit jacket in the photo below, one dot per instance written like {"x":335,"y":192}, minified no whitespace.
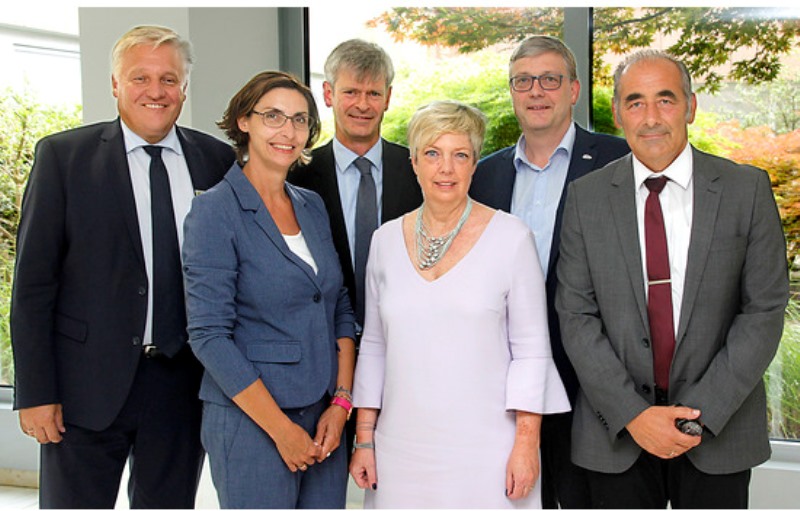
{"x":731,"y":320}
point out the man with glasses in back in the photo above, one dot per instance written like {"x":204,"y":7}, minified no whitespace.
{"x":530,"y":180}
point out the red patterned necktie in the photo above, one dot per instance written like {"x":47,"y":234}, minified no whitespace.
{"x":659,"y":295}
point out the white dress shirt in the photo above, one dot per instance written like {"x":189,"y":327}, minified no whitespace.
{"x":182,"y":191}
{"x":677,"y":201}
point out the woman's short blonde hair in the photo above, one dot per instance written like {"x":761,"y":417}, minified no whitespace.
{"x":435,"y":119}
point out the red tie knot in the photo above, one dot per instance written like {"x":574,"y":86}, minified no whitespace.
{"x":656,"y":184}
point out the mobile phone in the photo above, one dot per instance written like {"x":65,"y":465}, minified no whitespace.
{"x":689,"y":427}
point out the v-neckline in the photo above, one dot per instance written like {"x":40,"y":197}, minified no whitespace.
{"x":413,"y":266}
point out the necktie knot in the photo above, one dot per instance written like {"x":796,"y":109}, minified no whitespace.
{"x":656,"y":184}
{"x":364,"y":166}
{"x":153,"y":150}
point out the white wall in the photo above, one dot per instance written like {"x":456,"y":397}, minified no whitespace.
{"x":223,"y":63}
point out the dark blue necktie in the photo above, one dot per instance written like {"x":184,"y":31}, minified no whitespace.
{"x":366,"y":223}
{"x":169,"y":309}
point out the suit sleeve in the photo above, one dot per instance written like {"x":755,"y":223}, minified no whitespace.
{"x":603,"y":376}
{"x":211,"y":273}
{"x":40,"y":248}
{"x":755,"y":332}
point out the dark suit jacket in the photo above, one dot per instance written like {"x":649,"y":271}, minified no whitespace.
{"x":401,"y":194}
{"x":736,"y":288}
{"x":493,"y":185}
{"x":79,"y":302}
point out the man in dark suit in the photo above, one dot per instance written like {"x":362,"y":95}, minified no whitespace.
{"x":103,"y":372}
{"x":672,"y":288}
{"x":358,"y":86}
{"x":530,"y":180}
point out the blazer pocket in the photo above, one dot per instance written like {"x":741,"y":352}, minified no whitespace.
{"x":71,"y":328}
{"x":275,"y":352}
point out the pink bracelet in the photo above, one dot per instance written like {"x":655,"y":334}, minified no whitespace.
{"x":344,"y":403}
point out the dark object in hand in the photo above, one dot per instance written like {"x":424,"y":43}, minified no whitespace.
{"x":689,"y":427}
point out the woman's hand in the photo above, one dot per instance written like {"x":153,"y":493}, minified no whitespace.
{"x":522,"y":471}
{"x":296,"y":447}
{"x":362,"y":468}
{"x":329,"y":430}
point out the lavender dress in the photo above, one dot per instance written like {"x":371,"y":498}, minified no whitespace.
{"x":447,"y":362}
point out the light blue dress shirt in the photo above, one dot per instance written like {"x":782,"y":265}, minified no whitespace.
{"x":348,"y":178}
{"x":537,"y":192}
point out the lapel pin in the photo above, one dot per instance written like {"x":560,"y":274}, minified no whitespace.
{"x":198,"y":192}
{"x":587,"y":156}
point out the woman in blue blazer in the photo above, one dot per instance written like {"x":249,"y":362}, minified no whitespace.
{"x":268,"y":315}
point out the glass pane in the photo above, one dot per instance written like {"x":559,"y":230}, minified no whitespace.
{"x":40,"y":93}
{"x":438,"y":53}
{"x":748,"y":111}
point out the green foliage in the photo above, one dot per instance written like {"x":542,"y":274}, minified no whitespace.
{"x":602,"y":115}
{"x":23,"y":121}
{"x":480,"y":81}
{"x":707,"y":38}
{"x":775,"y":104}
{"x":783,"y":379}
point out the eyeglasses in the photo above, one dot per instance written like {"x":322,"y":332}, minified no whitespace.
{"x":524,"y":83}
{"x":274,"y":118}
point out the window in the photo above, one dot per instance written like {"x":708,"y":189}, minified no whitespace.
{"x":40,"y":92}
{"x":747,"y":112}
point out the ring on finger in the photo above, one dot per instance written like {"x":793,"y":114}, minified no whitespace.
{"x":671,"y":454}
{"x":303,"y":467}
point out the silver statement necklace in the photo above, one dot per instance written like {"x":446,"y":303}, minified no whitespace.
{"x":431,"y":249}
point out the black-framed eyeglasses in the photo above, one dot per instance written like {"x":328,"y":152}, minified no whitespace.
{"x":274,"y":118}
{"x":524,"y":83}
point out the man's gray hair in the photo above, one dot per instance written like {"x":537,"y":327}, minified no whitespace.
{"x":653,"y":55}
{"x":365,"y":59}
{"x":154,"y":36}
{"x":538,"y":44}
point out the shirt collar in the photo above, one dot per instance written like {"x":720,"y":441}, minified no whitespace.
{"x":344,"y":157}
{"x":566,"y":145}
{"x":134,"y":141}
{"x":679,"y":171}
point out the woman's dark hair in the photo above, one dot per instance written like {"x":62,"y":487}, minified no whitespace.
{"x":244,"y":101}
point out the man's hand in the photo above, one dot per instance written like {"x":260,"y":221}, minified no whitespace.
{"x":655,"y":432}
{"x":45,"y":423}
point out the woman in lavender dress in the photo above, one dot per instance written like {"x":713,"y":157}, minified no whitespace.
{"x":455,"y":368}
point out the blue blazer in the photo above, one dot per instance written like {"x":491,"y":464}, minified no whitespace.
{"x":493,"y":185}
{"x":255,"y":309}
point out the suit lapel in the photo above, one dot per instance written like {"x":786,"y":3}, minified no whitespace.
{"x":707,"y":195}
{"x":581,"y":163}
{"x":623,"y":207}
{"x":202,"y":179}
{"x":329,"y":191}
{"x":113,"y":145}
{"x":392,"y":169}
{"x":249,"y":200}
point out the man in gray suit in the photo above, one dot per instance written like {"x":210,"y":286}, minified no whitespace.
{"x":644,"y":395}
